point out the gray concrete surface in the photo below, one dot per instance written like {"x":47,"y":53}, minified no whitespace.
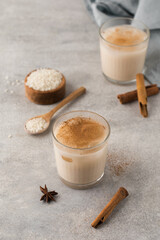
{"x":61,"y":35}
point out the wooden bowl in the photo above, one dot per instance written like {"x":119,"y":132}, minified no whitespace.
{"x":45,"y":97}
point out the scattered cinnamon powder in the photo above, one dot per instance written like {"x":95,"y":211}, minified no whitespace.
{"x":119,"y":168}
{"x":117,"y":164}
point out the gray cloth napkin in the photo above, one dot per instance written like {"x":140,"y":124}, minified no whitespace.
{"x":147,"y":11}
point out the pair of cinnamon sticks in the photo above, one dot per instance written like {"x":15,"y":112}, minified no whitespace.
{"x":141,"y":94}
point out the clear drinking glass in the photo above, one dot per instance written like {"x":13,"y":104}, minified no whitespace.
{"x":80,"y":168}
{"x":120,"y":63}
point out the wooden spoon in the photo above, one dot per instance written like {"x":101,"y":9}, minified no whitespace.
{"x":47,"y":116}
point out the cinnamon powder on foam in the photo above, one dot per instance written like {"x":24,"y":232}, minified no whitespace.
{"x":81,"y":132}
{"x":124,"y":35}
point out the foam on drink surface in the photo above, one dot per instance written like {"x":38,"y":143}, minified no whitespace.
{"x":124,"y":35}
{"x":81,"y":132}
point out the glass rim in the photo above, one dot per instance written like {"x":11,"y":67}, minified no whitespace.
{"x":82,"y":149}
{"x":124,"y":18}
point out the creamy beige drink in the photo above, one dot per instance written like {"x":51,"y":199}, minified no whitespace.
{"x":80,"y":149}
{"x":123,"y":50}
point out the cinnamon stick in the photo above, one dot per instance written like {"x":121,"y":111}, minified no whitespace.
{"x":132,"y":96}
{"x":142,"y":94}
{"x":104,"y":214}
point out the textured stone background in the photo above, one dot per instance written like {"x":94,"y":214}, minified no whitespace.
{"x":61,"y":35}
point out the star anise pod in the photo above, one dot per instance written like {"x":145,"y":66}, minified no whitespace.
{"x":47,"y":196}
